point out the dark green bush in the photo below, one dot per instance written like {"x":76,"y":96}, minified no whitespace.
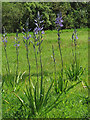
{"x":15,"y":14}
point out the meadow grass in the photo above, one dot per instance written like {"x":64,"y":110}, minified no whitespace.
{"x":73,"y":104}
{"x":50,"y":38}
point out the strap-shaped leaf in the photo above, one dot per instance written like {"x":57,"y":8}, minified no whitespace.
{"x":60,"y":84}
{"x":72,"y":86}
{"x":22,"y":102}
{"x":36,"y":96}
{"x":41,"y":91}
{"x":51,"y":106}
{"x":46,"y":96}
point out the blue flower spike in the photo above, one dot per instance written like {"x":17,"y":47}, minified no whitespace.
{"x":59,"y":21}
{"x":17,"y":42}
{"x":26,"y":32}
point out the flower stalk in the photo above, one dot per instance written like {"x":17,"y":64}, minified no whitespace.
{"x":55,"y":82}
{"x":38,"y":40}
{"x":27,"y":43}
{"x":59,"y":25}
{"x":60,"y":51}
{"x":17,"y":52}
{"x":4,"y":40}
{"x":74,"y":38}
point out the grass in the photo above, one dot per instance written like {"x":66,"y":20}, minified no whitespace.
{"x":73,"y":104}
{"x":49,"y":39}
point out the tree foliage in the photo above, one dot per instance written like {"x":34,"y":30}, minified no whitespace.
{"x":14,"y":14}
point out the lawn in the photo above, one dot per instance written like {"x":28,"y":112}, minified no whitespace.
{"x":74,"y":104}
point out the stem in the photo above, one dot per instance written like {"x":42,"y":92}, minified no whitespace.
{"x":75,"y":55}
{"x":28,"y":62}
{"x":37,"y":83}
{"x":41,"y":77}
{"x":75,"y":51}
{"x":54,"y":61}
{"x":6,"y":58}
{"x":72,"y":52}
{"x":75,"y":47}
{"x":60,"y":52}
{"x":41,"y":70}
{"x":17,"y":61}
{"x":27,"y":54}
{"x":36,"y":61}
{"x":54,"y":69}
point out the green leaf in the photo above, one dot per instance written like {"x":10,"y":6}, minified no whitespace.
{"x":72,"y":86}
{"x":46,"y":96}
{"x":22,"y":102}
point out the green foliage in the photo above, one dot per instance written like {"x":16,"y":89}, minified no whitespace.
{"x":23,"y":102}
{"x":14,"y":15}
{"x":74,"y":72}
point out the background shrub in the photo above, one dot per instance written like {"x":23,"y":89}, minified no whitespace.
{"x":15,"y":14}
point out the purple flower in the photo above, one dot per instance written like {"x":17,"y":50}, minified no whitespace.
{"x":59,"y":21}
{"x":37,"y":23}
{"x":35,"y":20}
{"x":27,"y":37}
{"x":37,"y":29}
{"x":29,"y":29}
{"x":76,"y":37}
{"x":15,"y":38}
{"x":37,"y":43}
{"x":4,"y":38}
{"x":42,"y":32}
{"x":23,"y":33}
{"x":24,"y":37}
{"x":60,"y":24}
{"x":42,"y":21}
{"x":17,"y":45}
{"x":4,"y":41}
{"x":24,"y":29}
